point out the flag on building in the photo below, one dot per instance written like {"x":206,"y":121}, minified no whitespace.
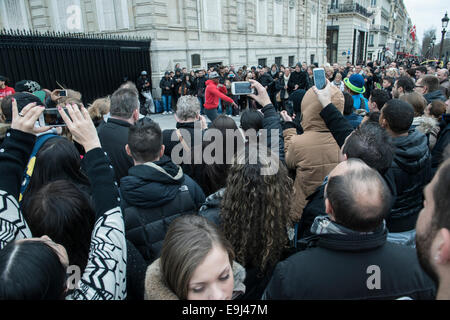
{"x":412,"y":32}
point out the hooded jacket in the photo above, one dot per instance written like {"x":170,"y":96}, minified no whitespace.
{"x":157,"y":289}
{"x":314,"y":153}
{"x":411,"y":170}
{"x":213,"y":94}
{"x":153,"y":195}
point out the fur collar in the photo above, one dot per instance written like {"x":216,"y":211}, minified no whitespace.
{"x":156,"y":289}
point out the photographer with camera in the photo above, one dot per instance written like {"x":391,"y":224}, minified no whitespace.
{"x":145,"y":89}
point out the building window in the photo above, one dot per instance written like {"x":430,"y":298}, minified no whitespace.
{"x":195,"y":60}
{"x":371,"y":40}
{"x":313,"y":57}
{"x":278,"y":61}
{"x":262,"y":62}
{"x":334,"y":4}
{"x":261,"y":16}
{"x":373,"y":3}
{"x":291,"y":61}
{"x":212,"y":15}
{"x":214,"y":64}
{"x":14,"y":14}
{"x":278,"y":17}
{"x":67,"y":15}
{"x":332,"y":45}
{"x":112,"y":16}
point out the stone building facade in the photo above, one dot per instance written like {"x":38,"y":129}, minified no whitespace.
{"x":194,"y":33}
{"x":358,"y":30}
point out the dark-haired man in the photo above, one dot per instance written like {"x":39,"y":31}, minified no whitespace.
{"x":411,"y":169}
{"x":433,"y":231}
{"x":420,"y":72}
{"x":349,"y":247}
{"x":402,"y":86}
{"x":155,"y":192}
{"x":114,"y":134}
{"x":377,"y":99}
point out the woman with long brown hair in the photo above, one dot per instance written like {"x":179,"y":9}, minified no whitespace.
{"x":255,"y":215}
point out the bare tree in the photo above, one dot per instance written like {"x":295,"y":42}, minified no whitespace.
{"x":426,"y":42}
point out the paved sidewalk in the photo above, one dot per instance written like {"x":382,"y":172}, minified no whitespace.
{"x":169,"y":122}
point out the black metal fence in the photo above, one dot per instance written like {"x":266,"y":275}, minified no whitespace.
{"x":91,"y":64}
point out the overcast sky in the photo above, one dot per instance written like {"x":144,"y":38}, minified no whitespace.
{"x":426,"y":14}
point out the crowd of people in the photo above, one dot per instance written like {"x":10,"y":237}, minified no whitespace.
{"x":338,"y":193}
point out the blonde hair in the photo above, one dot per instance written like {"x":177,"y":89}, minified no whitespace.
{"x":99,"y":108}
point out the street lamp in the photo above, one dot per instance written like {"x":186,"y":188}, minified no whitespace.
{"x":444,"y":26}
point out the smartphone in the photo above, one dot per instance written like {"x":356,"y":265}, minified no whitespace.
{"x":319,"y":78}
{"x":63,"y":93}
{"x":51,"y":117}
{"x":241,"y":88}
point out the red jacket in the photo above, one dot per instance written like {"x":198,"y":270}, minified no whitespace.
{"x":6,"y":92}
{"x":213,"y":94}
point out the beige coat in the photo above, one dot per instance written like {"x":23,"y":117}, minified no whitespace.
{"x":313,"y":154}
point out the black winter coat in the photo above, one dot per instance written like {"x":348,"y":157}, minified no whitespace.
{"x":338,"y":267}
{"x":299,"y":78}
{"x":188,"y":132}
{"x":434,"y":96}
{"x":114,"y":137}
{"x":153,"y":195}
{"x":443,"y":140}
{"x":166,"y":83}
{"x":411,"y":171}
{"x":266,"y":80}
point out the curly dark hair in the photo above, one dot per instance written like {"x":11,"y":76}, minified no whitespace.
{"x":255,"y":211}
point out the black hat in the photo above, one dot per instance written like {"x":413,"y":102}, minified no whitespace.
{"x":3,"y":78}
{"x":23,"y":99}
{"x":27,"y":86}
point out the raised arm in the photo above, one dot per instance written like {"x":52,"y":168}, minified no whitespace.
{"x":271,"y":121}
{"x":105,"y":275}
{"x":14,"y":156}
{"x":339,"y":126}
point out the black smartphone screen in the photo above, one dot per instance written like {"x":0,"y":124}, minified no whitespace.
{"x":53,"y":118}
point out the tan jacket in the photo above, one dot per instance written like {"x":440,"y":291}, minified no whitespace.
{"x":314,"y":153}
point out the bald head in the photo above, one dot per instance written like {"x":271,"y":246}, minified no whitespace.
{"x":357,"y":197}
{"x":442,"y":75}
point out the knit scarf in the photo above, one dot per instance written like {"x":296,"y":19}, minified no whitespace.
{"x":323,"y":225}
{"x":286,"y":80}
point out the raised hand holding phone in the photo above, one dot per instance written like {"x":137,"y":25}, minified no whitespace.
{"x":263,"y":97}
{"x":25,"y":120}
{"x":324,"y":95}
